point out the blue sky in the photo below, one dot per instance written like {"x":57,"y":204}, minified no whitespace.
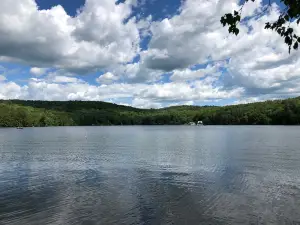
{"x":70,"y":7}
{"x":153,"y":53}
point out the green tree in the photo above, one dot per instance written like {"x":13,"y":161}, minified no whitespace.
{"x":28,"y":113}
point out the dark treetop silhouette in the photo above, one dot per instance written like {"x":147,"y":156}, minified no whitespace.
{"x":289,"y":13}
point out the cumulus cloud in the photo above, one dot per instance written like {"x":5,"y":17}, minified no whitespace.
{"x":194,"y":36}
{"x":189,"y":74}
{"x":11,"y":90}
{"x":136,"y":73}
{"x":65,"y":79}
{"x":38,"y":71}
{"x":142,"y":95}
{"x":190,"y":103}
{"x":107,"y":78}
{"x":202,"y":61}
{"x":258,"y":59}
{"x":96,"y":38}
{"x":145,"y":103}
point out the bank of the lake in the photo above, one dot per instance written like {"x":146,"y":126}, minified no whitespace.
{"x":19,"y":113}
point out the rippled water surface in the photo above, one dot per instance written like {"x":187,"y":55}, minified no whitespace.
{"x":150,"y":175}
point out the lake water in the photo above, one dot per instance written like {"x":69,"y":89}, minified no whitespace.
{"x":150,"y":175}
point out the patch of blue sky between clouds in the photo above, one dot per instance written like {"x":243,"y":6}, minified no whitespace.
{"x":71,"y":6}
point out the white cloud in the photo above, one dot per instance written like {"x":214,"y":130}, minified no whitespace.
{"x":199,"y":90}
{"x":65,"y":79}
{"x":259,"y":61}
{"x":203,"y":61}
{"x":107,"y":78}
{"x":38,"y":71}
{"x":143,"y":95}
{"x":196,"y":35}
{"x":96,"y":38}
{"x":34,"y":79}
{"x":10,"y":90}
{"x":145,"y":104}
{"x":136,"y":73}
{"x":188,"y":38}
{"x":60,"y":76}
{"x":144,"y":26}
{"x":188,"y":74}
{"x":190,"y":103}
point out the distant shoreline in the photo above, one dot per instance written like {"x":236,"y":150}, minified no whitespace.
{"x":215,"y":125}
{"x":22,"y":113}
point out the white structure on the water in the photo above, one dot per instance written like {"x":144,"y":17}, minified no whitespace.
{"x":199,"y":123}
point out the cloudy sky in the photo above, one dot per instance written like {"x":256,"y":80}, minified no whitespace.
{"x":144,"y":53}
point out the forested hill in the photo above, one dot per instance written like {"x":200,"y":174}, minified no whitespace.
{"x":15,"y":113}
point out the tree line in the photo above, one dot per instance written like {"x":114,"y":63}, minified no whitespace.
{"x":15,"y":113}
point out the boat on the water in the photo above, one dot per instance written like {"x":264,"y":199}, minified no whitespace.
{"x":20,"y":128}
{"x":200,"y":123}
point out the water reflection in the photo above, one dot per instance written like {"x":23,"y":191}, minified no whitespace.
{"x":118,"y":197}
{"x":158,"y":176}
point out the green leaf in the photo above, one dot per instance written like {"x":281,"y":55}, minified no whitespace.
{"x":236,"y":31}
{"x":286,"y":17}
{"x":290,"y":30}
{"x":296,"y":45}
{"x":268,"y":26}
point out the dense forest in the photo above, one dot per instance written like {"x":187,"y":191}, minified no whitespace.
{"x":14,"y":113}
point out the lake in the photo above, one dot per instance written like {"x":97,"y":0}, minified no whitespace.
{"x":150,"y":175}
